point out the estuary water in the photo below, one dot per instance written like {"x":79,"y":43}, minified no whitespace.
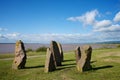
{"x":10,"y":47}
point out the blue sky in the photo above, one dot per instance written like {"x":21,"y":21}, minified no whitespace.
{"x":66,"y":21}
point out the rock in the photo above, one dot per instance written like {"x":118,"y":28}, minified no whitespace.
{"x":56,"y":54}
{"x":49,"y":63}
{"x":77,"y":54}
{"x":83,"y":63}
{"x":61,"y":51}
{"x":20,"y":56}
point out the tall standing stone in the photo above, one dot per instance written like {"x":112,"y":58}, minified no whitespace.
{"x":56,"y":54}
{"x":20,"y":56}
{"x":84,"y":62}
{"x":61,"y":51}
{"x":49,"y":63}
{"x":77,"y":54}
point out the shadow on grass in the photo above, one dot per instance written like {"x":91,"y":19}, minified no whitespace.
{"x":30,"y":67}
{"x":64,"y":67}
{"x":93,"y":62}
{"x":102,"y":67}
{"x":69,"y":60}
{"x":69,"y":64}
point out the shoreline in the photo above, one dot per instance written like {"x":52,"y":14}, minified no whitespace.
{"x":9,"y":48}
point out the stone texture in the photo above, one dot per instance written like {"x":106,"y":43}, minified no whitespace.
{"x":61,"y":51}
{"x":49,"y":63}
{"x":20,"y":56}
{"x":56,"y":54}
{"x":77,"y":54}
{"x":84,"y":62}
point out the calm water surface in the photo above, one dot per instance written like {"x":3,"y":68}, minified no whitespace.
{"x":10,"y":47}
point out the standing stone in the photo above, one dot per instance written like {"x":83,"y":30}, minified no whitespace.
{"x":56,"y":54}
{"x":20,"y":56}
{"x":49,"y":63}
{"x":77,"y":54}
{"x":61,"y":51}
{"x":84,"y":62}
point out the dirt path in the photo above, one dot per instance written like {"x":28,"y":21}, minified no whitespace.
{"x":27,"y":57}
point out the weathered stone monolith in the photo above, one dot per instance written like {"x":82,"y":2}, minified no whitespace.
{"x":56,"y":54}
{"x":61,"y":51}
{"x":20,"y":56}
{"x":49,"y":63}
{"x":77,"y":54}
{"x":83,"y":63}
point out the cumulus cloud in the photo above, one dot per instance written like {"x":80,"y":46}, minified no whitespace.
{"x":117,"y":17}
{"x":106,"y":30}
{"x":112,"y":28}
{"x":87,"y":19}
{"x":110,"y":36}
{"x":107,"y":25}
{"x":103,"y":30}
{"x":102,"y":24}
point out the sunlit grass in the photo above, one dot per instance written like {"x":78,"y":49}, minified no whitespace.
{"x":102,"y":69}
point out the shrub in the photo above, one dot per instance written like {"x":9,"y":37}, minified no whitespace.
{"x":29,"y":50}
{"x":41,"y":49}
{"x":118,"y":46}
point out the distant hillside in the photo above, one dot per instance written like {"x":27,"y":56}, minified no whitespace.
{"x":109,"y":42}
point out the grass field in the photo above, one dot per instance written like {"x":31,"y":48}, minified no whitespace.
{"x":105,"y":63}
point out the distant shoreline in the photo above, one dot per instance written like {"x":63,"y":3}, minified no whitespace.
{"x":10,"y":47}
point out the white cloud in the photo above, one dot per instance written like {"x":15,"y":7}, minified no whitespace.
{"x":103,"y":30}
{"x":110,"y":36}
{"x":12,"y":35}
{"x":102,"y":24}
{"x":88,"y":18}
{"x":46,"y":38}
{"x":62,"y":38}
{"x":1,"y":36}
{"x":72,"y":19}
{"x":117,"y":17}
{"x":112,"y":28}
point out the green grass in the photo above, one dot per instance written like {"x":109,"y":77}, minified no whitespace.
{"x":2,"y":56}
{"x":105,"y":67}
{"x":11,"y":55}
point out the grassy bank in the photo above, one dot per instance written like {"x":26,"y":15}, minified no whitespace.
{"x":105,"y":62}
